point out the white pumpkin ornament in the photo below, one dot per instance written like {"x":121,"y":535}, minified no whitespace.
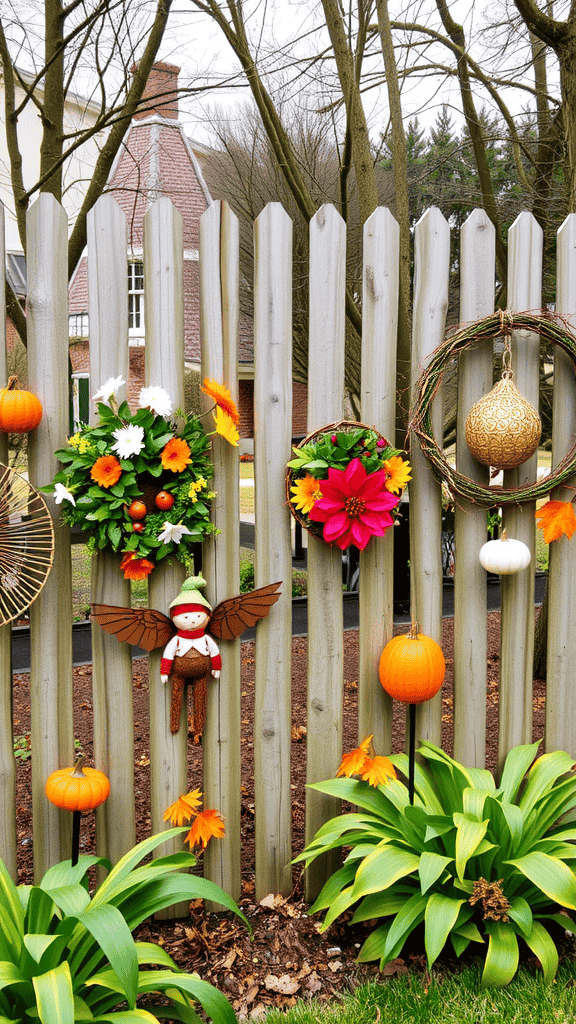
{"x":504,"y":556}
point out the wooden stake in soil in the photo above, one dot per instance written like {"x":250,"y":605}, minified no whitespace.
{"x":411,"y":750}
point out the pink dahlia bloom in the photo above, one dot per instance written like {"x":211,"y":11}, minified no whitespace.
{"x":354,"y":506}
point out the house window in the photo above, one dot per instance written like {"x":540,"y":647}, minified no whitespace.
{"x":136,"y":302}
{"x":78,"y":325}
{"x":80,"y":411}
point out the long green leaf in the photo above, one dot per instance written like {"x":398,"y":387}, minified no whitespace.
{"x":552,"y":877}
{"x":54,"y":995}
{"x":373,"y":947}
{"x":124,"y":866}
{"x":109,"y":929}
{"x":370,"y":798}
{"x":422,"y":783}
{"x":211,"y":1000}
{"x":408,"y":918}
{"x":516,"y":765}
{"x":543,"y":947}
{"x":469,"y":835}
{"x":543,"y":775}
{"x":502,"y":956}
{"x":71,"y":899}
{"x":333,"y":886}
{"x":382,"y":868}
{"x":430,"y":868}
{"x":10,"y":974}
{"x":343,"y":901}
{"x":164,"y":892}
{"x":126,"y":1017}
{"x":380,"y":904}
{"x":439,"y":919}
{"x":521,"y":914}
{"x":40,"y":911}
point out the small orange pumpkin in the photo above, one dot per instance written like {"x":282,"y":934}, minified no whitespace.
{"x":412,"y":667}
{"x":77,"y":788}
{"x":20,"y":410}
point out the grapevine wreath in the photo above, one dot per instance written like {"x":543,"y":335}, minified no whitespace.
{"x":550,"y":328}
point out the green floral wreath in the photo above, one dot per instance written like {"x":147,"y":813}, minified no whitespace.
{"x":138,"y":483}
{"x":549,"y":326}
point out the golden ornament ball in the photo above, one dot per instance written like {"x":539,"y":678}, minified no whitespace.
{"x":503,"y":429}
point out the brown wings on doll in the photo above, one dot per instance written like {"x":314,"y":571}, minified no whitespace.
{"x":233,"y":616}
{"x":149,"y":629}
{"x":143,"y":627}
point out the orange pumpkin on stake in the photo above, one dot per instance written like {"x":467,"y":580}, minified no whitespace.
{"x":77,"y":790}
{"x":412,"y":667}
{"x":20,"y":410}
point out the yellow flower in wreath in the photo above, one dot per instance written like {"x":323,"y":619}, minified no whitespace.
{"x":306,"y":492}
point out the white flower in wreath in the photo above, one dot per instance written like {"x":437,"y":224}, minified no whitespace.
{"x":62,"y":493}
{"x":172,"y":533}
{"x":157,"y":400}
{"x":129,"y":440}
{"x":112,"y":385}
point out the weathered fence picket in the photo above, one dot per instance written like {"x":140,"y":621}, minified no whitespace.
{"x":560,"y":719}
{"x":273,"y":550}
{"x":52,"y":729}
{"x":431,"y":265}
{"x":517,"y":635}
{"x":112,"y":703}
{"x":477,"y":257}
{"x":379,"y":328}
{"x":219,"y":271}
{"x":324,"y":582}
{"x":51,"y":675}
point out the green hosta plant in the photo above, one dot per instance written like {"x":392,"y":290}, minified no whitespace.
{"x":66,"y":957}
{"x":470,"y":861}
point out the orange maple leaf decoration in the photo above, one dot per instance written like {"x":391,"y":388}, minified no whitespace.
{"x":355,"y":762}
{"x":206,"y":824}
{"x":184,"y":808}
{"x":556,"y":518}
{"x":378,"y":771}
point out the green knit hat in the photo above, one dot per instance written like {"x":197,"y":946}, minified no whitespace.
{"x":190,"y":592}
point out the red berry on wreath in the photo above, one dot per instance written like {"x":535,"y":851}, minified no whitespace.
{"x":164,"y":500}
{"x":138,"y":527}
{"x":137,"y":510}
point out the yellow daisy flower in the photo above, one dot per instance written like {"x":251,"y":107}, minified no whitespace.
{"x":306,"y":492}
{"x":398,"y":474}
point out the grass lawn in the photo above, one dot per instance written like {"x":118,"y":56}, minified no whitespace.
{"x":448,"y":999}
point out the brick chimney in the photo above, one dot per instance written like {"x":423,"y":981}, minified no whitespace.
{"x":162,"y":81}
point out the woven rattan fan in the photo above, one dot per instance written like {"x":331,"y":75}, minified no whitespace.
{"x":26,"y":544}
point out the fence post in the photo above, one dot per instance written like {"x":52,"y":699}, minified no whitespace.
{"x":219,"y":312}
{"x":273,"y":555}
{"x":560,"y":720}
{"x":52,"y":728}
{"x":111,"y":661}
{"x":477,"y":254}
{"x":7,"y":762}
{"x":325,"y":611}
{"x":164,"y":356}
{"x":517,"y":591}
{"x":431,"y":267}
{"x":378,"y":399}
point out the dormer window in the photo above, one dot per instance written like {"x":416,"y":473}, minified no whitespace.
{"x":136,"y":302}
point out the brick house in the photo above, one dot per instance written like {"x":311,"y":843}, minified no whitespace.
{"x":157,"y":159}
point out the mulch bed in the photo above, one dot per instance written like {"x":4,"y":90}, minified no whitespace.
{"x":288,"y":958}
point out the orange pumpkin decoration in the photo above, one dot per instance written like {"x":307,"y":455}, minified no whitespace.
{"x":77,"y":788}
{"x":20,"y":410}
{"x":412,"y":667}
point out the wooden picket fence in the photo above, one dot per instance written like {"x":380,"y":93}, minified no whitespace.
{"x":52,"y":736}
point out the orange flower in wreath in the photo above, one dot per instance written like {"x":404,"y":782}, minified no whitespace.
{"x":175,"y":455}
{"x":106,"y":471}
{"x":134,"y":567}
